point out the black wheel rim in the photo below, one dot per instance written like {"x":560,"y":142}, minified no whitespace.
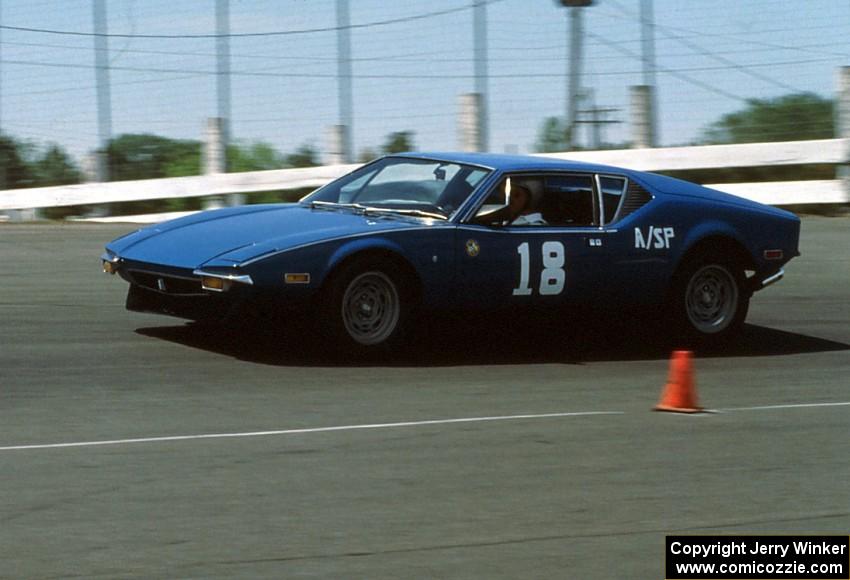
{"x":370,"y":308}
{"x":711,"y":299}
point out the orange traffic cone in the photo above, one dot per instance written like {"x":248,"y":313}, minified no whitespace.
{"x":680,"y":393}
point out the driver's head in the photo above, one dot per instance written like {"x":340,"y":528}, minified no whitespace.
{"x":520,"y":199}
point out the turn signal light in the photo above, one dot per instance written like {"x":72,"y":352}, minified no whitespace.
{"x":297,"y":278}
{"x":215,"y":284}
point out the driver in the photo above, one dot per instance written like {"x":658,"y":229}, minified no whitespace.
{"x":518,"y":212}
{"x":520,"y":208}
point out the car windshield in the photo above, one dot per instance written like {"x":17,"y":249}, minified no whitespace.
{"x":420,"y":187}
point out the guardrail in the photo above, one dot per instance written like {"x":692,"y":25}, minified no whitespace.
{"x":828,"y":151}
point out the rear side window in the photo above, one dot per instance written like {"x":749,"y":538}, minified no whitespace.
{"x":568,"y":201}
{"x":612,"y":189}
{"x":636,"y":198}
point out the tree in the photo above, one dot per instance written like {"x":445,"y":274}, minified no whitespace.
{"x":398,"y":142}
{"x":367,"y":155}
{"x":14,"y":170}
{"x":552,"y":136}
{"x":146,"y":156}
{"x":258,"y":156}
{"x":793,"y":117}
{"x":55,"y":167}
{"x":305,"y":156}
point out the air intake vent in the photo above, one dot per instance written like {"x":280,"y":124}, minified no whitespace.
{"x":636,"y":198}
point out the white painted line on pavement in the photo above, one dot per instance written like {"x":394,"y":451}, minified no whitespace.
{"x":307,"y":430}
{"x":789,"y":406}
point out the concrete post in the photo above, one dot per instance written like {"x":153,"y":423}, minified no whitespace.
{"x":214,"y":159}
{"x":641,"y":113}
{"x":215,"y":154}
{"x":335,"y":154}
{"x":842,"y":129}
{"x":469,"y":122}
{"x":96,"y":170}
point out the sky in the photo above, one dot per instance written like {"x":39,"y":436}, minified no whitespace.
{"x":711,"y":56}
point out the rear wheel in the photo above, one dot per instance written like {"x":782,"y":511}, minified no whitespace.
{"x":365,"y":307}
{"x":709,"y":300}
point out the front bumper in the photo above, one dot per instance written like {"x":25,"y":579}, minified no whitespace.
{"x":761,"y":282}
{"x":213,"y":307}
{"x":191,"y":294}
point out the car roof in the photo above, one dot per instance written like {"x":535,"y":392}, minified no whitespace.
{"x":506,"y":162}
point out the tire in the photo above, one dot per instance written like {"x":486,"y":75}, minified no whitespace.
{"x":709,"y":300}
{"x":365,"y":307}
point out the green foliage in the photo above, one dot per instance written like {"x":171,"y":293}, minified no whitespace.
{"x":55,"y":167}
{"x":398,"y":142}
{"x":257,"y":156}
{"x":552,"y":136}
{"x":184,"y":165}
{"x":261,"y":156}
{"x":305,"y":156}
{"x":367,"y":155}
{"x":146,"y":156}
{"x":15,"y":172}
{"x":23,"y":164}
{"x":793,"y":117}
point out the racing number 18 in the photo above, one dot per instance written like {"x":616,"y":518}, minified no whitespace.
{"x":552,"y":276}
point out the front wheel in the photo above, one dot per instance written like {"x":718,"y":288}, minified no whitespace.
{"x":365,"y":307}
{"x":710,"y":299}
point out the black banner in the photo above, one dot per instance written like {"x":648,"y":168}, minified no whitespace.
{"x":757,"y":557}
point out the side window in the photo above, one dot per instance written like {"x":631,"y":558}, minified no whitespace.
{"x":612,"y":189}
{"x":568,"y":200}
{"x":515,"y":202}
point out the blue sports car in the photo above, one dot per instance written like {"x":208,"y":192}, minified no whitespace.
{"x":452,"y":232}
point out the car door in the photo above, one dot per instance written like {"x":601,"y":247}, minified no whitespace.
{"x":562,"y":261}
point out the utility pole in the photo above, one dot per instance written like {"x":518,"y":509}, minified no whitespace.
{"x":574,"y":91}
{"x":104,"y":97}
{"x":842,"y":118}
{"x":647,"y":35}
{"x":222,"y":42}
{"x":480,"y":50}
{"x":346,"y":106}
{"x":1,"y":81}
{"x":596,"y":118}
{"x":2,"y":161}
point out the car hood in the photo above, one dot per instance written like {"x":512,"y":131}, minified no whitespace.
{"x":234,"y":235}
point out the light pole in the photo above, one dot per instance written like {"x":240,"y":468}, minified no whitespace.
{"x":574,"y":64}
{"x":346,"y":105}
{"x":480,"y":50}
{"x":647,"y":34}
{"x":104,"y":97}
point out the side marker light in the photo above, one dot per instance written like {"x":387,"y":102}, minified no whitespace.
{"x":301,"y":278}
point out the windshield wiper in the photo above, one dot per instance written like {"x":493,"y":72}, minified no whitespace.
{"x":413,"y":212}
{"x":333,"y":204}
{"x":368,"y":209}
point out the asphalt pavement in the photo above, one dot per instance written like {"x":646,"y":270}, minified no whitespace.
{"x":137,"y":446}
